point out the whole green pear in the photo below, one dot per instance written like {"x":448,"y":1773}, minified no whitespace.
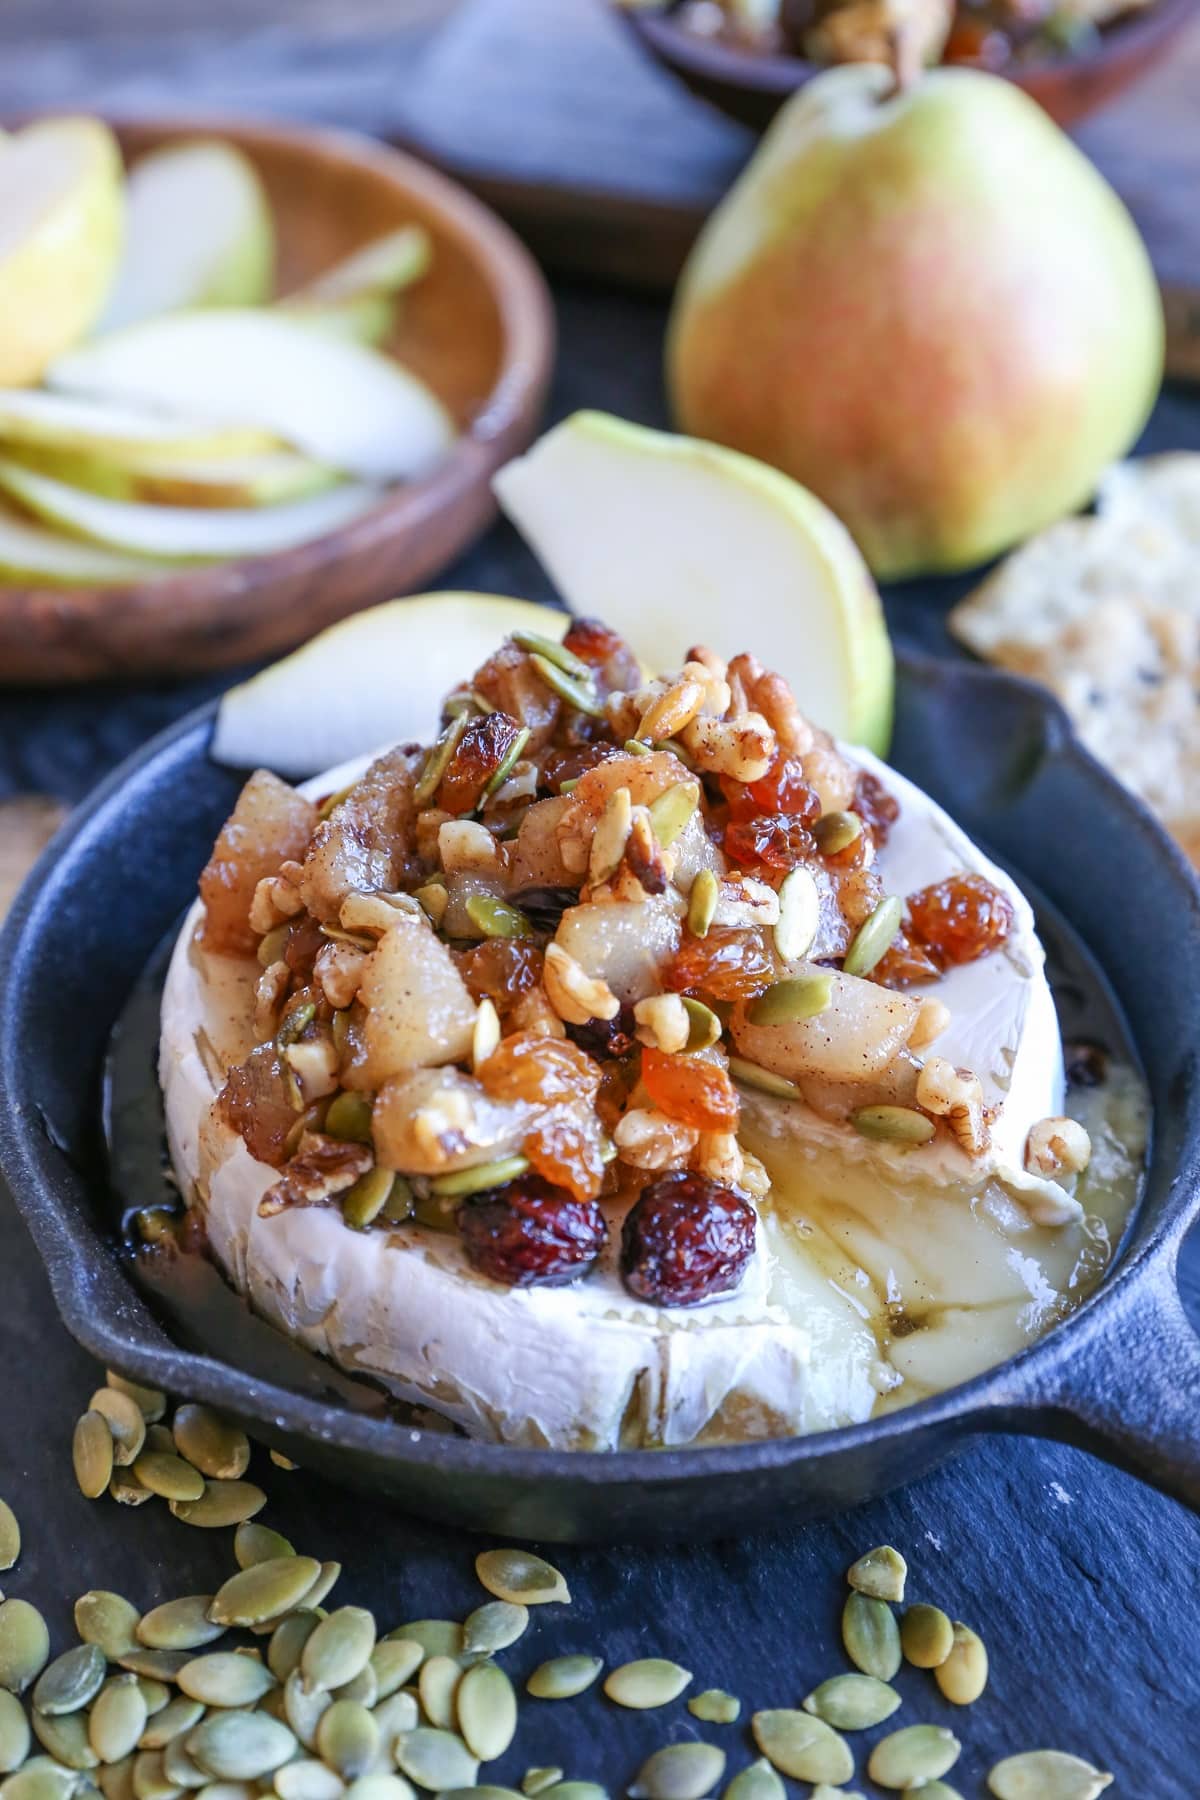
{"x":928,"y":307}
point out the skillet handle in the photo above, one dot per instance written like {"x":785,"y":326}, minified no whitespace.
{"x":1130,"y":1392}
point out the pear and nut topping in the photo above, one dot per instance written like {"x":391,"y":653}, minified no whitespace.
{"x":508,"y":980}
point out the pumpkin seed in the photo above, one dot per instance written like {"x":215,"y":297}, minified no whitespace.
{"x":228,"y":1790}
{"x":362,"y":1687}
{"x":10,"y":1536}
{"x":507,"y":763}
{"x":348,"y":1738}
{"x":433,"y":899}
{"x":394,"y":1716}
{"x":363,"y":1203}
{"x":436,"y":1684}
{"x":521,"y":1577}
{"x":1046,"y":1775}
{"x":155,"y":1693}
{"x":221,"y":1504}
{"x":324,"y":1584}
{"x":435,"y":1759}
{"x":798,"y":1744}
{"x":671,"y":812}
{"x":303,"y":1707}
{"x":117,"y":1720}
{"x":179,"y":1624}
{"x":554,"y":652}
{"x":215,"y":1446}
{"x":494,"y":918}
{"x":852,"y":1702}
{"x":41,"y":1779}
{"x":836,"y":831}
{"x":914,"y":1755}
{"x":265,"y":1591}
{"x":874,"y":936}
{"x":126,"y":1422}
{"x":702,"y":903}
{"x":487,"y":1711}
{"x":478,"y":1179}
{"x":168,"y":1475}
{"x":257,"y":1544}
{"x":349,"y":1117}
{"x":535,"y":1781}
{"x":652,"y":1681}
{"x":437,"y":1637}
{"x":704,"y":1027}
{"x":380,"y":1785}
{"x":108,"y":1620}
{"x":679,"y":1772}
{"x":963,"y":1675}
{"x":339,"y":1649}
{"x":151,"y":1401}
{"x":24,"y":1644}
{"x":892,"y":1124}
{"x":494,"y":1626}
{"x":788,"y":1001}
{"x":241,"y":1746}
{"x":871,"y":1636}
{"x":881,"y":1573}
{"x":563,"y":1677}
{"x":225,"y":1678}
{"x":715,"y":1707}
{"x":799,"y":915}
{"x":65,"y":1737}
{"x":127,"y":1490}
{"x":15,"y":1735}
{"x":287,"y":1642}
{"x":177,"y":1717}
{"x":931,"y":1790}
{"x":92,"y":1454}
{"x":179,"y":1768}
{"x":158,"y":1437}
{"x":156,"y":1665}
{"x":926,"y":1636}
{"x":763,"y":1081}
{"x":823,"y":1791}
{"x":758,"y":1782}
{"x":396,"y":1661}
{"x":578,"y":692}
{"x":438,"y":760}
{"x":308,"y":1779}
{"x":577,"y":1790}
{"x":72,"y":1680}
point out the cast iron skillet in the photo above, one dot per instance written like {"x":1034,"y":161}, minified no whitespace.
{"x":1121,"y":1377}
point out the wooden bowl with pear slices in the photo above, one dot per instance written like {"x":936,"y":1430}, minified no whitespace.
{"x":476,"y":329}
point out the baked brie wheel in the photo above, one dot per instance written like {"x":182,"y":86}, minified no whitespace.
{"x":635,"y":1066}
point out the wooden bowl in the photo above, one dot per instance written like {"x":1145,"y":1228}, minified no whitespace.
{"x":479,"y":328}
{"x":751,"y":86}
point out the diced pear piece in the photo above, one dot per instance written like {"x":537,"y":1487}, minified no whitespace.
{"x":859,"y":1034}
{"x":374,"y":679}
{"x":340,"y":402}
{"x":31,"y":556}
{"x":663,"y":536}
{"x":60,"y":235}
{"x":198,"y":232}
{"x":183,"y":533}
{"x":60,"y":422}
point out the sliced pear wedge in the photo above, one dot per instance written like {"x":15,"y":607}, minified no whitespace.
{"x":340,"y":402}
{"x":60,"y":235}
{"x":675,"y":542}
{"x":199,"y":232}
{"x":263,"y":479}
{"x":384,"y":266}
{"x":362,"y":318}
{"x":30,"y":555}
{"x":376,"y":678}
{"x":183,"y":533}
{"x":58,"y":422}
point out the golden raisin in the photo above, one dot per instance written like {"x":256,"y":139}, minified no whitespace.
{"x":725,"y":965}
{"x":962,"y":918}
{"x":691,"y":1090}
{"x":565,"y":1148}
{"x":544,"y":1070}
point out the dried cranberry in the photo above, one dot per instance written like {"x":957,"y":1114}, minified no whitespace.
{"x":546,"y":905}
{"x":769,"y":841}
{"x":569,"y":765}
{"x":685,"y":1238}
{"x":482,"y":748}
{"x":782,"y":789}
{"x":605,"y":1038}
{"x":961,"y":918}
{"x":256,"y":1102}
{"x":1086,"y":1063}
{"x":531,"y":1234}
{"x":874,"y":805}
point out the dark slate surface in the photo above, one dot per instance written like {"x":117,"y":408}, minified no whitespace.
{"x":1083,"y":1582}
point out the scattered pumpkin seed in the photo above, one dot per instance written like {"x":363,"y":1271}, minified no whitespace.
{"x":679,"y":1772}
{"x":24,"y":1644}
{"x":152,"y":1401}
{"x":126,"y":1421}
{"x":487,"y":1711}
{"x":871,"y":1636}
{"x":222,"y":1503}
{"x":715,"y":1707}
{"x":758,"y":1782}
{"x":521,"y":1577}
{"x":926,"y":1636}
{"x":852,"y":1702}
{"x":92,"y":1453}
{"x":554,"y":652}
{"x":215,"y":1446}
{"x":651,"y":1681}
{"x":287,"y":1642}
{"x":578,"y":692}
{"x":158,"y":1437}
{"x":482,"y":1791}
{"x":1046,"y":1775}
{"x":156,"y":1694}
{"x":563,"y":1677}
{"x":348,"y":1738}
{"x":308,"y":1779}
{"x":349,"y":1117}
{"x":479,"y":1178}
{"x":704,"y":1027}
{"x":931,"y":1790}
{"x":380,"y":1785}
{"x":265,"y":1591}
{"x":41,"y":1779}
{"x":836,"y":831}
{"x":176,"y":1718}
{"x":181,"y":1624}
{"x":155,"y":1665}
{"x":72,"y":1680}
{"x":436,"y":1684}
{"x":823,"y":1791}
{"x":65,"y":1737}
{"x":799,"y":914}
{"x":437,"y":1637}
{"x":108,"y":1620}
{"x":10,"y":1536}
{"x":874,"y":936}
{"x":394,"y":1716}
{"x":535,"y":1781}
{"x":672,"y":811}
{"x":881,"y":1573}
{"x":324,"y":1584}
{"x":241,"y":1746}
{"x":362,"y":1687}
{"x":438,"y":760}
{"x":433,"y":899}
{"x":127,"y":1490}
{"x":258,"y":1543}
{"x":397,"y":1661}
{"x":339,"y":1648}
{"x":435,"y":1759}
{"x":225,"y":1678}
{"x":116,"y":1779}
{"x":363,"y":1203}
{"x":228,"y":1790}
{"x":507,"y":763}
{"x":763,"y":1081}
{"x":496,"y":918}
{"x":577,"y":1790}
{"x":963,"y":1675}
{"x":168,"y":1475}
{"x":798,"y":1744}
{"x":117,"y":1720}
{"x":494,"y":1626}
{"x":796,"y":997}
{"x":303,"y":1707}
{"x":912,"y":1756}
{"x":892,"y":1124}
{"x":702,"y":903}
{"x":15,"y":1735}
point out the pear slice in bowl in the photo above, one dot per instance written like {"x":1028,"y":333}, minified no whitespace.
{"x":61,"y":423}
{"x":262,"y":478}
{"x":32,"y":556}
{"x":359,"y":297}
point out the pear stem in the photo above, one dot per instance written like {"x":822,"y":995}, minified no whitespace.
{"x":905,"y":59}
